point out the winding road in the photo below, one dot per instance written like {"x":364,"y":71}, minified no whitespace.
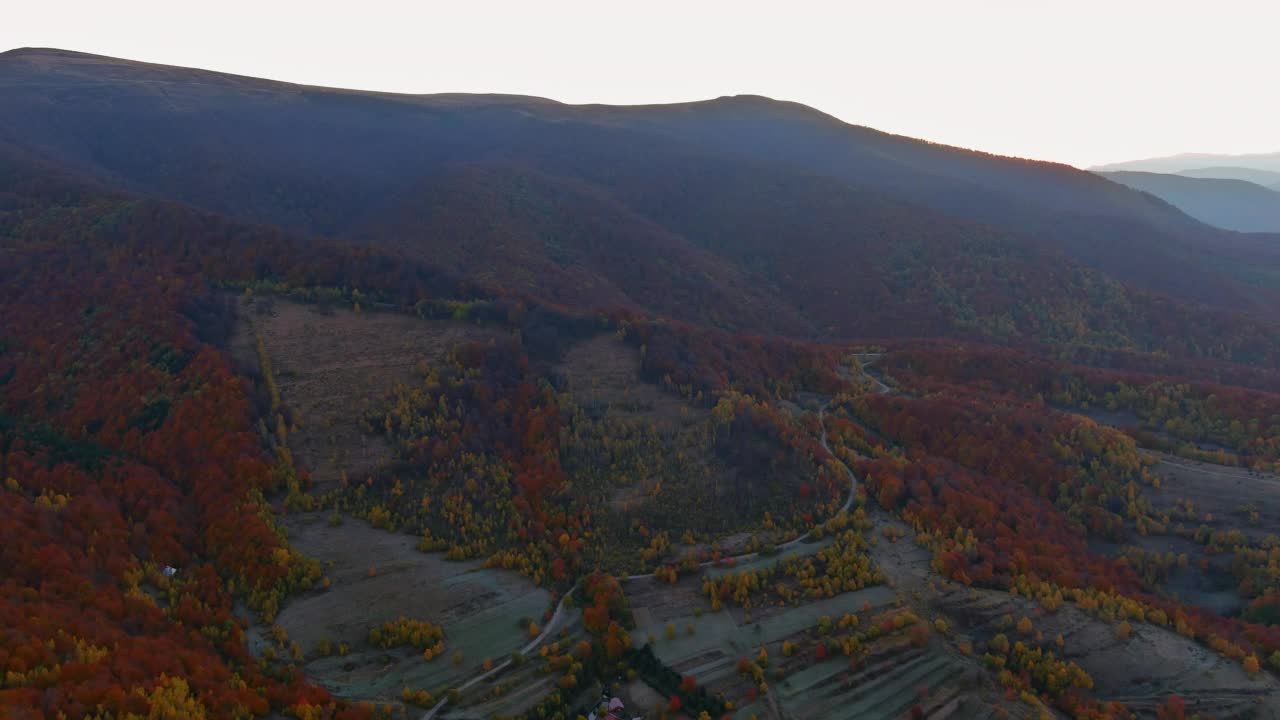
{"x":866,"y":359}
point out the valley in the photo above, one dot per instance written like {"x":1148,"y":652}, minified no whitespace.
{"x":917,"y":641}
{"x":339,"y":405}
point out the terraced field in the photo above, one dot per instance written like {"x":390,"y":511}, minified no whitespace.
{"x":1140,"y":671}
{"x":377,"y":577}
{"x":887,"y":687}
{"x":519,"y":688}
{"x":891,"y":675}
{"x":883,"y":686}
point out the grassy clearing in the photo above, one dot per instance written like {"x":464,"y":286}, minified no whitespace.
{"x":331,"y":365}
{"x":522,"y":686}
{"x":603,"y":376}
{"x":728,"y":635}
{"x":793,"y":620}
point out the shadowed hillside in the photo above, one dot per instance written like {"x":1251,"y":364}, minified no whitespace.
{"x":743,"y":212}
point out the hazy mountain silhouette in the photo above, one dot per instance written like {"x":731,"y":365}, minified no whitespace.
{"x":1229,"y":204}
{"x":1228,"y":165}
{"x":1266,"y":178}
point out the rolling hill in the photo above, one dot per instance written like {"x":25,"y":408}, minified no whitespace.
{"x":1229,"y":204}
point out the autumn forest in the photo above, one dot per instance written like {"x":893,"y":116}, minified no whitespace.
{"x":491,"y":407}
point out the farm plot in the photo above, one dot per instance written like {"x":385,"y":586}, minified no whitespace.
{"x":378,"y":577}
{"x":709,"y":647}
{"x":526,"y":682}
{"x":1140,"y":667}
{"x":888,"y":682}
{"x":1225,"y":497}
{"x":654,"y":602}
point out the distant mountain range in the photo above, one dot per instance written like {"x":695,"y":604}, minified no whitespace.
{"x":1234,"y":192}
{"x":1231,"y":204}
{"x":1265,"y":178}
{"x":1233,"y":167}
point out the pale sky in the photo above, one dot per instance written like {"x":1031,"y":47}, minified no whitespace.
{"x":1077,"y":81}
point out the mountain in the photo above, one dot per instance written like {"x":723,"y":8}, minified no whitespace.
{"x":1230,"y":204}
{"x":366,"y":166}
{"x":1266,"y":178}
{"x":1266,"y":162}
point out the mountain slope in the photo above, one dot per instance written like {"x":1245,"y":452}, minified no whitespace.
{"x":742,"y":213}
{"x":511,"y":226}
{"x":1229,"y":204}
{"x":1070,"y":210}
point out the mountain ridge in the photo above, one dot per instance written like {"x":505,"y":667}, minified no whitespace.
{"x":757,"y":193}
{"x":1267,"y":161}
{"x":1258,"y":177}
{"x":1226,"y":203}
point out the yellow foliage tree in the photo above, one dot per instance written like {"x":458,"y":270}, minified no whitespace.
{"x":171,"y":699}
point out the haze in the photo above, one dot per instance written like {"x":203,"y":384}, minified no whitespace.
{"x":1088,"y":83}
